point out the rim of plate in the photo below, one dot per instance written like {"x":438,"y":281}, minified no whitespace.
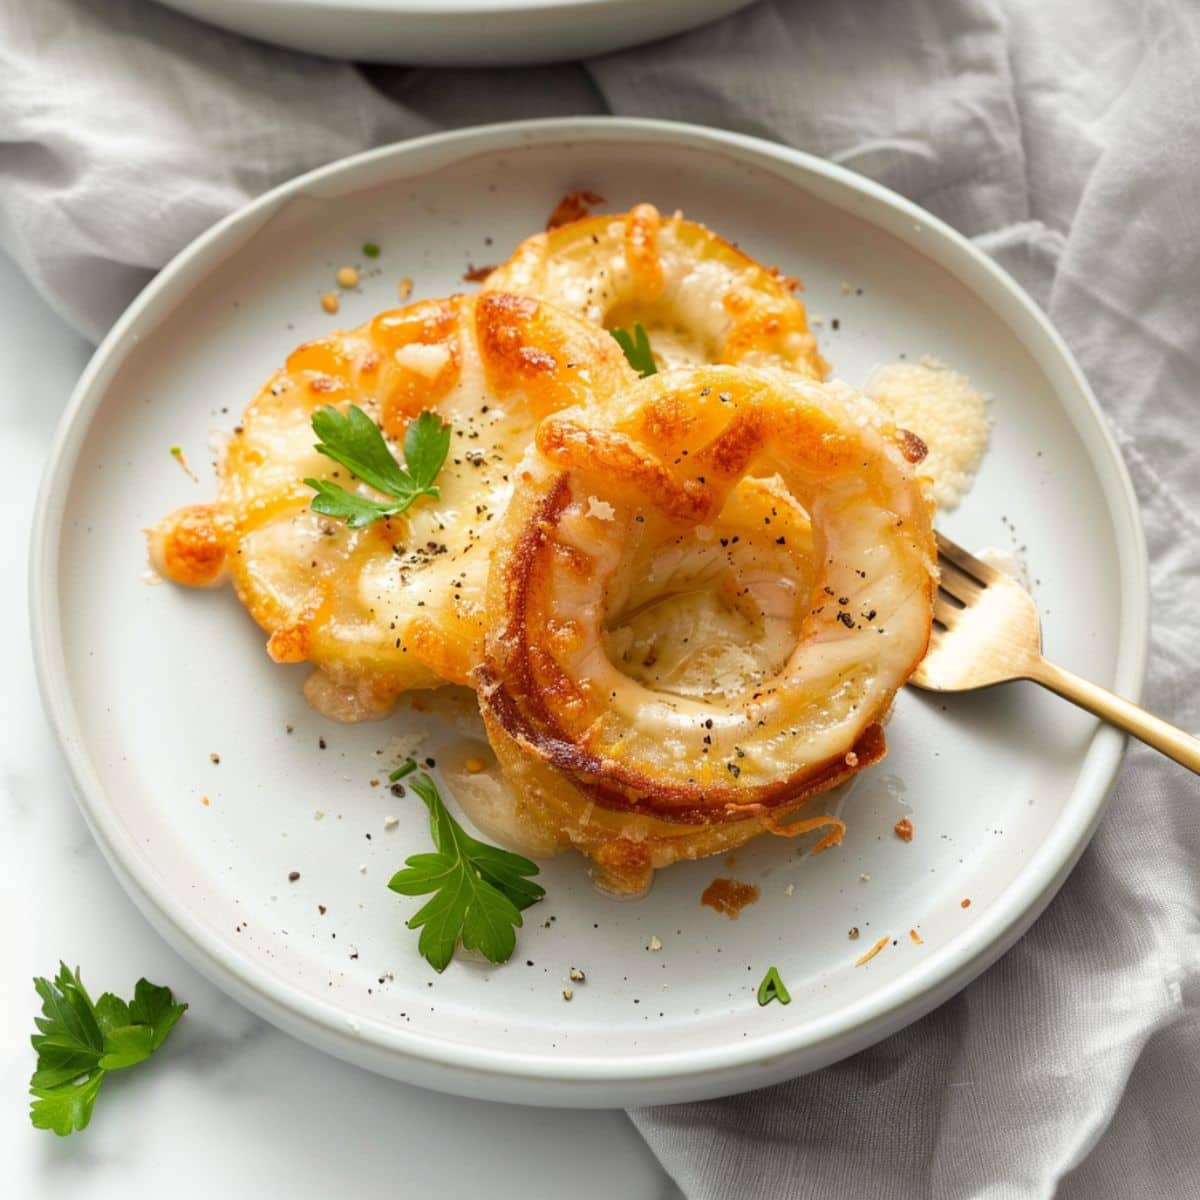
{"x":445,"y":8}
{"x":855,"y":1027}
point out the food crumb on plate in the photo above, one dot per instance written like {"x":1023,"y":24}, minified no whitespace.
{"x":404,"y":288}
{"x":573,"y":206}
{"x":874,"y":950}
{"x":576,"y":975}
{"x":966,"y":902}
{"x":654,"y":944}
{"x":347,"y":277}
{"x":390,"y":821}
{"x":293,"y":876}
{"x":790,"y":889}
{"x":915,"y":937}
{"x":903,"y":829}
{"x":330,"y":302}
{"x":568,"y":994}
{"x":853,"y":934}
{"x":729,"y":896}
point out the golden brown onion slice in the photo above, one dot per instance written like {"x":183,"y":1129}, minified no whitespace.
{"x":700,"y":299}
{"x":399,"y":604}
{"x":638,"y":775}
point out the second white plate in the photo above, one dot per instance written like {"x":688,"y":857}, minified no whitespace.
{"x":439,"y":33}
{"x":144,"y":683}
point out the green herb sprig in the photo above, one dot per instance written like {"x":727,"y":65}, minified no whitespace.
{"x":79,"y":1042}
{"x":772,"y":988}
{"x":637,"y":349}
{"x":353,"y":440}
{"x":478,"y":890}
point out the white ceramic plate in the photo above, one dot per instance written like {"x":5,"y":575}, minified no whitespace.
{"x":143,"y":683}
{"x":458,"y":32}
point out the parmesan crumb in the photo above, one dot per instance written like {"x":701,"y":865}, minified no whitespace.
{"x":390,"y":822}
{"x":362,"y":868}
{"x":600,"y":509}
{"x":568,"y":994}
{"x":790,"y":889}
{"x":942,"y":408}
{"x":576,"y":975}
{"x":654,"y":944}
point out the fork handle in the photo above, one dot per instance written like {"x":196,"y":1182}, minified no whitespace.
{"x":1124,"y":714}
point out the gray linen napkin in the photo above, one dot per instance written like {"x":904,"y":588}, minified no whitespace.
{"x":1066,"y":140}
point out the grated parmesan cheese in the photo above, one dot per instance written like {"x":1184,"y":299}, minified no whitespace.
{"x":942,"y":408}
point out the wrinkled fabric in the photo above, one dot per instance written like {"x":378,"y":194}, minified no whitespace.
{"x":1065,"y":139}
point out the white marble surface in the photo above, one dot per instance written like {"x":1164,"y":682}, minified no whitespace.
{"x":230,"y":1107}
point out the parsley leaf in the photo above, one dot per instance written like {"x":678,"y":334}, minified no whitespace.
{"x":66,"y":1107}
{"x":637,"y":349}
{"x":772,"y":988}
{"x":478,"y":890}
{"x":357,"y":511}
{"x":426,"y":444}
{"x":79,"y":1041}
{"x":353,"y":441}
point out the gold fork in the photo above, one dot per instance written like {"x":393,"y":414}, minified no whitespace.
{"x":986,"y":631}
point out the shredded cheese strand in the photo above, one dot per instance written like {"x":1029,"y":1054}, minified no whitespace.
{"x":874,"y":950}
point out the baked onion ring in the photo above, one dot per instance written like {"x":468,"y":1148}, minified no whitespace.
{"x":637,"y":777}
{"x":700,"y":299}
{"x":398,"y":604}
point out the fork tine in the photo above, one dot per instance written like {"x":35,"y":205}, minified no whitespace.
{"x":946,"y":614}
{"x":953,"y":552}
{"x":957,"y":583}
